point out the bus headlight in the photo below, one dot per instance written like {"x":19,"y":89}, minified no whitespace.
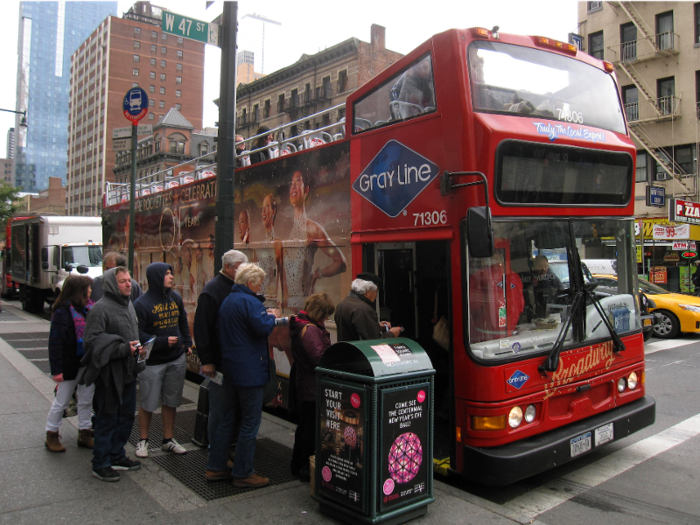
{"x":621,"y":384}
{"x":530,"y":413}
{"x":632,"y":381}
{"x":515,"y":417}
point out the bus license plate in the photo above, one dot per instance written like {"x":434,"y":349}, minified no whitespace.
{"x":580,"y":444}
{"x":604,"y":434}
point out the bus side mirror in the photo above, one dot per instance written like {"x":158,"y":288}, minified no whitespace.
{"x":480,"y":232}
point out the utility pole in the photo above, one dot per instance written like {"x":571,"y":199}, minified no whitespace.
{"x":226,"y":150}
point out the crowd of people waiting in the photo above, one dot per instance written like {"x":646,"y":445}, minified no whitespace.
{"x":100,"y":347}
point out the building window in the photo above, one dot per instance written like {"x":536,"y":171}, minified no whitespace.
{"x":137,"y":30}
{"x":178,"y":80}
{"x":661,"y":173}
{"x":628,"y":40}
{"x":152,"y":89}
{"x":163,"y":50}
{"x":137,"y":44}
{"x":151,"y":102}
{"x":280,"y":103}
{"x":154,"y":34}
{"x":641,"y":174}
{"x":179,"y":53}
{"x":162,"y":90}
{"x":266,"y":109}
{"x":154,"y":48}
{"x":180,"y":40}
{"x":179,"y":67}
{"x":666,"y":93}
{"x":151,"y":116}
{"x":161,"y":104}
{"x":153,"y":62}
{"x":592,"y":7}
{"x":134,"y":84}
{"x":255,"y":113}
{"x":137,"y":58}
{"x":630,"y":98}
{"x":165,"y":37}
{"x":152,"y":74}
{"x":135,"y":72}
{"x":342,"y":80}
{"x":163,"y":63}
{"x":327,"y":92}
{"x":162,"y":77}
{"x":596,"y":45}
{"x":697,"y":94}
{"x":178,"y":93}
{"x":685,"y":158}
{"x":664,"y":31}
{"x":696,"y":13}
{"x":178,"y":106}
{"x":294,"y":99}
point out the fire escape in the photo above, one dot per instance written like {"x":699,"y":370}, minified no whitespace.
{"x":649,"y":109}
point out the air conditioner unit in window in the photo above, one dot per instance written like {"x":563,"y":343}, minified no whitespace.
{"x":663,"y":176}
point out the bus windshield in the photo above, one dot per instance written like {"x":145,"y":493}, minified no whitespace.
{"x":75,"y":256}
{"x":520,"y":299}
{"x":536,"y":83}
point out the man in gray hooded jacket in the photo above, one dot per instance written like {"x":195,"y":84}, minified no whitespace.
{"x":111,"y":350}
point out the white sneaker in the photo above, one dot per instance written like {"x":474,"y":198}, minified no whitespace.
{"x":142,"y":449}
{"x":174,"y":447}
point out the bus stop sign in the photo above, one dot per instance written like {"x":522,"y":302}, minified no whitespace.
{"x":135,"y":104}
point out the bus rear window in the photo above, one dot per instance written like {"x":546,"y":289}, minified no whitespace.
{"x":530,"y":82}
{"x":530,"y":173}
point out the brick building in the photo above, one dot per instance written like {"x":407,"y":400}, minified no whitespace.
{"x":6,"y":165}
{"x":174,"y":141}
{"x":120,"y":54}
{"x":51,"y":200}
{"x":313,"y":83}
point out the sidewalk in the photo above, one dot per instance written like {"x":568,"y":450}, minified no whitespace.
{"x":41,"y":487}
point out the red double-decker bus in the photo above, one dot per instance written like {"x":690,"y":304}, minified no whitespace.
{"x":475,"y":176}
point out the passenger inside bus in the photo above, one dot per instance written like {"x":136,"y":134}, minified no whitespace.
{"x":542,"y":288}
{"x":497,"y":293}
{"x":414,"y":91}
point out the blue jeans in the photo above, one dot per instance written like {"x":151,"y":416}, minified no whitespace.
{"x":223,"y":405}
{"x":112,"y":430}
{"x":251,"y":401}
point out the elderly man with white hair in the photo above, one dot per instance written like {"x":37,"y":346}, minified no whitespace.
{"x":356,"y":316}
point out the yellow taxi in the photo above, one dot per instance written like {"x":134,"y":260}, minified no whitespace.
{"x":677,"y":312}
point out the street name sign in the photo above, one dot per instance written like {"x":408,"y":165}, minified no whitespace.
{"x":190,"y":28}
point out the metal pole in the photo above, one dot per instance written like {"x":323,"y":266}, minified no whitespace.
{"x":227,"y":127}
{"x":132,"y":196}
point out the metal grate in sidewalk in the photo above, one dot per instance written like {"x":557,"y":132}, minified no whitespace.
{"x":24,"y":335}
{"x":182,"y":431}
{"x":271,"y":460}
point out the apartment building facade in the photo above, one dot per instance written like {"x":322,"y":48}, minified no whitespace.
{"x":313,"y":83}
{"x":120,"y":54}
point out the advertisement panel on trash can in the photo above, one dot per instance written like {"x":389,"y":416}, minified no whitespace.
{"x":405,"y":458}
{"x":342,"y":462}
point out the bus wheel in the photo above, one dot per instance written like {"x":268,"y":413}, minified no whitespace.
{"x":668,"y":326}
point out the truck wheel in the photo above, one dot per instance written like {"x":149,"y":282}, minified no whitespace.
{"x":668,"y":326}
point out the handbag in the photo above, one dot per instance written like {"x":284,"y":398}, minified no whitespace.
{"x":441,"y":330}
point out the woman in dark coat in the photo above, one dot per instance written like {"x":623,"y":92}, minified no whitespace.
{"x":65,"y":352}
{"x":310,"y":340}
{"x":261,"y":142}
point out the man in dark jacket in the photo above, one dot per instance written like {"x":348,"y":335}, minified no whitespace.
{"x":112,"y":260}
{"x":356,"y":316}
{"x":111,"y":342}
{"x":161,"y":314}
{"x":209,"y":352}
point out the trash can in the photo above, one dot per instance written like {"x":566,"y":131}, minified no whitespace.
{"x":374,"y":448}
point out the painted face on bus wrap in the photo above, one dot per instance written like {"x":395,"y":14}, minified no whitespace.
{"x":298,"y":191}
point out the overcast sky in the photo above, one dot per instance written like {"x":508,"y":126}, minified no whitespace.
{"x":309,"y":27}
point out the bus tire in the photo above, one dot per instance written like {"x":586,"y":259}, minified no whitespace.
{"x":668,"y":326}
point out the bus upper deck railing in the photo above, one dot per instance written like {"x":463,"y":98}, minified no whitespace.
{"x":167,"y":178}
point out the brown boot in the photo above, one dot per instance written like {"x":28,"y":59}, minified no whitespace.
{"x":53,"y":443}
{"x":85,"y":438}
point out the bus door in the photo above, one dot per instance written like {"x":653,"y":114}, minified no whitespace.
{"x":396,"y":266}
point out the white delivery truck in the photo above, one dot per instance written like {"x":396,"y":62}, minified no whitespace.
{"x":47,"y":248}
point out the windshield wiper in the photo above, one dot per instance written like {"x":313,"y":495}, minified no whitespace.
{"x":552,"y":362}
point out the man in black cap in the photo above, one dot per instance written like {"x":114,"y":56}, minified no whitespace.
{"x":356,"y":316}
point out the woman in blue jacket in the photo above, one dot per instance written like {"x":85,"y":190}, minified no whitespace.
{"x":244,"y":325}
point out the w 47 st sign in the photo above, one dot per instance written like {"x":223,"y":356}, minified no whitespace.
{"x":190,"y":28}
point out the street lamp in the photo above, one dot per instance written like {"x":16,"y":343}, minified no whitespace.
{"x":23,"y":120}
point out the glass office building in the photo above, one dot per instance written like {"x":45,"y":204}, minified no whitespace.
{"x":49,"y":33}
